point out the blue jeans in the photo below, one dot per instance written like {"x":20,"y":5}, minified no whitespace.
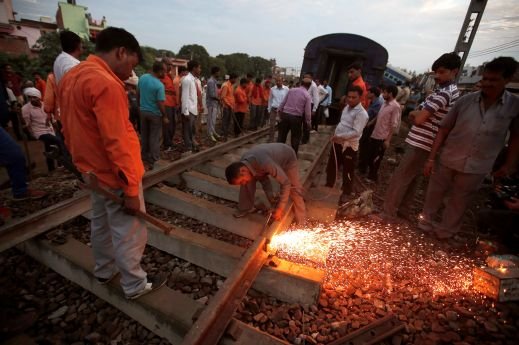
{"x":11,"y":156}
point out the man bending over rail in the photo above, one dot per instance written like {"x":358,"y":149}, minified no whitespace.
{"x":101,"y":139}
{"x":277,"y":160}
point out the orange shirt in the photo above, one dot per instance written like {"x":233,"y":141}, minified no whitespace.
{"x":170,"y":91}
{"x":96,"y":125}
{"x":227,"y":94}
{"x":249,"y":89}
{"x":242,"y":103}
{"x":256,"y":95}
{"x":266,"y":94}
{"x":176,"y":87}
{"x":41,"y":86}
{"x":364,"y":98}
{"x":50,"y":101}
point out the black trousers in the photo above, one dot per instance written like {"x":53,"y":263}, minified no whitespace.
{"x":292,"y":124}
{"x":502,"y":223}
{"x":13,"y":117}
{"x":317,"y":118}
{"x":238,"y":123}
{"x":50,"y":140}
{"x":347,"y":161}
{"x":306,"y":130}
{"x":364,"y":148}
{"x":376,"y":152}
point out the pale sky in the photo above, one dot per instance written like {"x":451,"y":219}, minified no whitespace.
{"x":414,"y":32}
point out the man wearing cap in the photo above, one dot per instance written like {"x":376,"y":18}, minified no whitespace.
{"x":278,"y":161}
{"x":130,"y":85}
{"x":36,"y":121}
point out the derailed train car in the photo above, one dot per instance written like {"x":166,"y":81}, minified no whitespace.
{"x":329,"y":56}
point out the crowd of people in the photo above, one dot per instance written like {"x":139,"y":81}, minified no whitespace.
{"x":106,"y":120}
{"x":453,"y":140}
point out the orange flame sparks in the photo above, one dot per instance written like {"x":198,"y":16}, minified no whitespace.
{"x":378,"y":256}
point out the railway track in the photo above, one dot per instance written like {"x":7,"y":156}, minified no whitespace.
{"x":194,"y":188}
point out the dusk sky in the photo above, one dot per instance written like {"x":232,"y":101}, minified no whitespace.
{"x":415,"y":32}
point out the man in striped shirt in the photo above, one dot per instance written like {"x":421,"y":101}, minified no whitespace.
{"x":426,"y":120}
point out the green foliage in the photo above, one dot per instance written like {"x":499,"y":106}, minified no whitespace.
{"x":235,"y":63}
{"x":149,"y":54}
{"x":198,"y":53}
{"x":22,"y":64}
{"x":49,"y":47}
{"x":215,"y":61}
{"x":241,"y":64}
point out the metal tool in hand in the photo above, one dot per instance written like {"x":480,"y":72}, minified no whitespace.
{"x":92,"y":183}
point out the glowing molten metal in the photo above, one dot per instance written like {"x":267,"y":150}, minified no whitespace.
{"x":376,"y":256}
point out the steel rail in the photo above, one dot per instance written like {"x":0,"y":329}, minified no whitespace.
{"x":214,"y":319}
{"x":373,"y":333}
{"x":23,"y":229}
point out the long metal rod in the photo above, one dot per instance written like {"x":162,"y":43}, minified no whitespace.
{"x":213,"y":321}
{"x":14,"y":233}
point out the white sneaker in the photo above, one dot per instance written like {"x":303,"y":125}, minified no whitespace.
{"x":168,"y":149}
{"x":154,"y":282}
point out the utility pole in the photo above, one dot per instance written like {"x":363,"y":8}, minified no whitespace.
{"x":468,"y":30}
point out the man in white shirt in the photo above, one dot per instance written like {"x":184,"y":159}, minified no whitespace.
{"x":189,"y":101}
{"x":69,"y":57}
{"x":277,"y":95}
{"x":327,"y":101}
{"x":346,"y":143}
{"x":314,"y":95}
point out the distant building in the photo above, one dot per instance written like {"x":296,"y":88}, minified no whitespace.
{"x":469,"y":77}
{"x":75,"y":18}
{"x":176,"y":62}
{"x":392,"y":75}
{"x":20,"y":36}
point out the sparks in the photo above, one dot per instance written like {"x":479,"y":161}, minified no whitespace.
{"x":378,"y":256}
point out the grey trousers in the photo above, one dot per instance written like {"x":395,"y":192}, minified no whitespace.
{"x":118,"y":241}
{"x":459,"y":187}
{"x":188,"y":130}
{"x":151,"y":128}
{"x":248,"y":191}
{"x":212,"y":109}
{"x":402,"y":185}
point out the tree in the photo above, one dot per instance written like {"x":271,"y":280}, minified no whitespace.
{"x":215,"y":61}
{"x":149,"y":55}
{"x":198,"y":53}
{"x":235,"y":63}
{"x":49,"y":47}
{"x":259,"y":66}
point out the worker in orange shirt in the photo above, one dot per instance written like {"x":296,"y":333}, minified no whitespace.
{"x":168,"y":129}
{"x":241,"y":105}
{"x":40,"y":84}
{"x":256,"y":102}
{"x":264,"y":103}
{"x":102,"y":140}
{"x":355,"y":79}
{"x":227,"y":99}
